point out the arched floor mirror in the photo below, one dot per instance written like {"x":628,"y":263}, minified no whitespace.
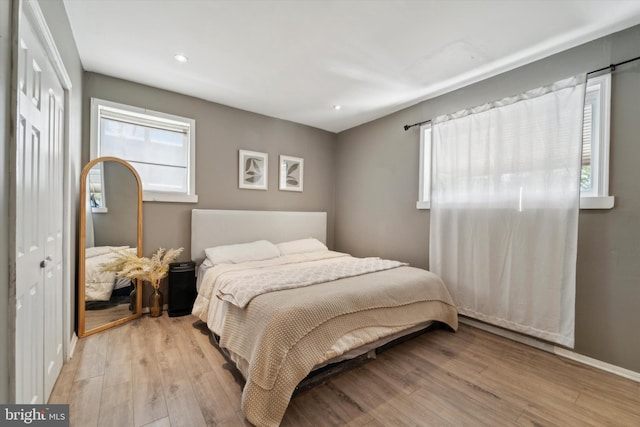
{"x":110,"y":221}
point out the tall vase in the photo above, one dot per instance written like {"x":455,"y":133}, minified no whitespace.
{"x":156,"y":301}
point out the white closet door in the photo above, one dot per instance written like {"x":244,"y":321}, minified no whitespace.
{"x":53,"y":194}
{"x":39,"y":197}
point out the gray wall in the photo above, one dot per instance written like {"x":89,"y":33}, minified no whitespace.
{"x":220,"y":132}
{"x":377,"y":186}
{"x":5,"y":73}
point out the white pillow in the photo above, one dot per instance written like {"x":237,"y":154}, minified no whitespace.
{"x":243,"y":252}
{"x":301,"y":246}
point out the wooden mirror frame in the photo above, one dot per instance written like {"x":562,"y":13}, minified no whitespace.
{"x":82,"y":236}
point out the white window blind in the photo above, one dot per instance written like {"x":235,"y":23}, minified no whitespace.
{"x":159,"y":146}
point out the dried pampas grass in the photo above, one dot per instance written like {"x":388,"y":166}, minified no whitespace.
{"x":152,"y":270}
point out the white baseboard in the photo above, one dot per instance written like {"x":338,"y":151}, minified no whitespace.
{"x":72,"y":346}
{"x":550,"y":348}
{"x":604,"y":366}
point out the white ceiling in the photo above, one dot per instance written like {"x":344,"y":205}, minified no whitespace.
{"x":295,"y":60}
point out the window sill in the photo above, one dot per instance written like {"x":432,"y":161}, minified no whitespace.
{"x":148,"y":196}
{"x":592,"y":202}
{"x":99,"y":210}
{"x":597,"y":202}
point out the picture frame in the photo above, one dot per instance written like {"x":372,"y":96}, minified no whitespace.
{"x":253,"y":170}
{"x":291,"y":173}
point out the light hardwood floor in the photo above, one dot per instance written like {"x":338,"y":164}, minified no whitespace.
{"x":164,"y":372}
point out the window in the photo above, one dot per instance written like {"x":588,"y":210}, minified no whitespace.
{"x":594,"y":179}
{"x":161,"y":147}
{"x":594,"y":183}
{"x":424,"y":201}
{"x":97,"y":198}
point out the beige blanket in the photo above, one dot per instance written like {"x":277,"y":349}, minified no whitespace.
{"x":240,"y":287}
{"x":280,"y":336}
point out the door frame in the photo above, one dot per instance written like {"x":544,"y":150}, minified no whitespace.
{"x":21,"y":9}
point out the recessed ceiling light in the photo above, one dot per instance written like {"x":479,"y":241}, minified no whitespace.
{"x":337,"y":107}
{"x":180,"y":57}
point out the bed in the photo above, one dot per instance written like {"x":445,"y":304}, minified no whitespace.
{"x":283,"y":304}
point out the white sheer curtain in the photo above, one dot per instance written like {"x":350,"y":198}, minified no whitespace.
{"x":504,"y":209}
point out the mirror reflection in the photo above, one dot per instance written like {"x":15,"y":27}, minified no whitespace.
{"x":112,"y":211}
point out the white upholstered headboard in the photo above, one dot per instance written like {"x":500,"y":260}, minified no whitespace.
{"x":211,"y":227}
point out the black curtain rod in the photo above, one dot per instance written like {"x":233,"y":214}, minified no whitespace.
{"x":611,"y":69}
{"x":407,"y":127}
